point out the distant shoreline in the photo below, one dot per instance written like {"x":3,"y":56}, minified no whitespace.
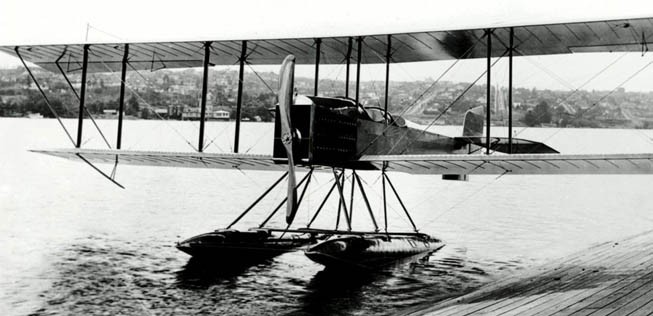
{"x":423,"y":121}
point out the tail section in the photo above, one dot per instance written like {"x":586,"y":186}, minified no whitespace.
{"x":474,"y":122}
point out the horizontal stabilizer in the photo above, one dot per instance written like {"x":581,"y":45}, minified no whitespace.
{"x":516,"y":164}
{"x":501,"y":144}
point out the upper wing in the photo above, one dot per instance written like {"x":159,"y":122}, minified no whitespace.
{"x":517,"y":164}
{"x":414,"y":164}
{"x":560,"y":38}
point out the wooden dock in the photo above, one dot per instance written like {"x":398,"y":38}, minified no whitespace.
{"x":614,"y":278}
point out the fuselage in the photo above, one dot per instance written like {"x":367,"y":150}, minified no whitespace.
{"x":337,"y":131}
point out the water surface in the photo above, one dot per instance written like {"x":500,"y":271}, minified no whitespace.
{"x":75,"y":244}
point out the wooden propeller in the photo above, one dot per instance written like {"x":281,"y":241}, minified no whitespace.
{"x":288,"y":134}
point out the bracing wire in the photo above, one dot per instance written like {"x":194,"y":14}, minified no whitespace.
{"x":445,"y":110}
{"x":605,"y":96}
{"x":550,"y":73}
{"x":218,"y":134}
{"x":340,"y":67}
{"x":389,"y":206}
{"x":431,"y":86}
{"x":146,"y":103}
{"x":91,"y":116}
{"x":576,"y":90}
{"x":47,"y":102}
{"x":258,"y":140}
{"x":260,"y":78}
{"x":584,"y":111}
{"x":269,"y":88}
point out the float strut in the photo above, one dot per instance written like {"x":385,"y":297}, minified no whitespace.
{"x":337,"y":177}
{"x":367,"y":202}
{"x":307,"y":176}
{"x":385,"y":200}
{"x":351,"y":199}
{"x":258,"y":200}
{"x":342,"y":200}
{"x":322,"y":204}
{"x":401,"y":202}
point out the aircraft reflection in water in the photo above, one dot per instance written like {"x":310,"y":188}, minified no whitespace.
{"x":338,"y":134}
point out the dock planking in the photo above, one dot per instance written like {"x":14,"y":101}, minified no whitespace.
{"x":612,"y":278}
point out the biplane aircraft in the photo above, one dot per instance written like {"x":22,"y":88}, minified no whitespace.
{"x":334,"y":134}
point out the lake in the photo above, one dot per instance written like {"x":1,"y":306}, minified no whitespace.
{"x":76,"y":244}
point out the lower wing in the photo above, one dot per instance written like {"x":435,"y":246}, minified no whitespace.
{"x":413,"y":164}
{"x":169,"y":159}
{"x":516,"y":164}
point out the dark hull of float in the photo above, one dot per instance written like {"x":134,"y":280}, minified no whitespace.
{"x":235,"y":247}
{"x":370,"y":251}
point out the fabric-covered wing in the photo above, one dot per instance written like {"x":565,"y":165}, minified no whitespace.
{"x":560,"y":38}
{"x":169,"y":159}
{"x":517,"y":164}
{"x":413,"y":164}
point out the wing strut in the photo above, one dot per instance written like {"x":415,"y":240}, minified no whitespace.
{"x":318,"y":45}
{"x":510,"y":53}
{"x":359,"y":52}
{"x":388,"y":56}
{"x":121,"y":98}
{"x":348,"y":58}
{"x":63,"y":73}
{"x":45,"y":97}
{"x":488,"y":97}
{"x":239,"y":100}
{"x":205,"y":79}
{"x":100,"y":171}
{"x":82,"y":97}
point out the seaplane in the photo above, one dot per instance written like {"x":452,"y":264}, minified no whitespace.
{"x":337,"y":135}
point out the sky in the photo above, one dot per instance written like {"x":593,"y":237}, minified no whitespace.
{"x":68,"y":21}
